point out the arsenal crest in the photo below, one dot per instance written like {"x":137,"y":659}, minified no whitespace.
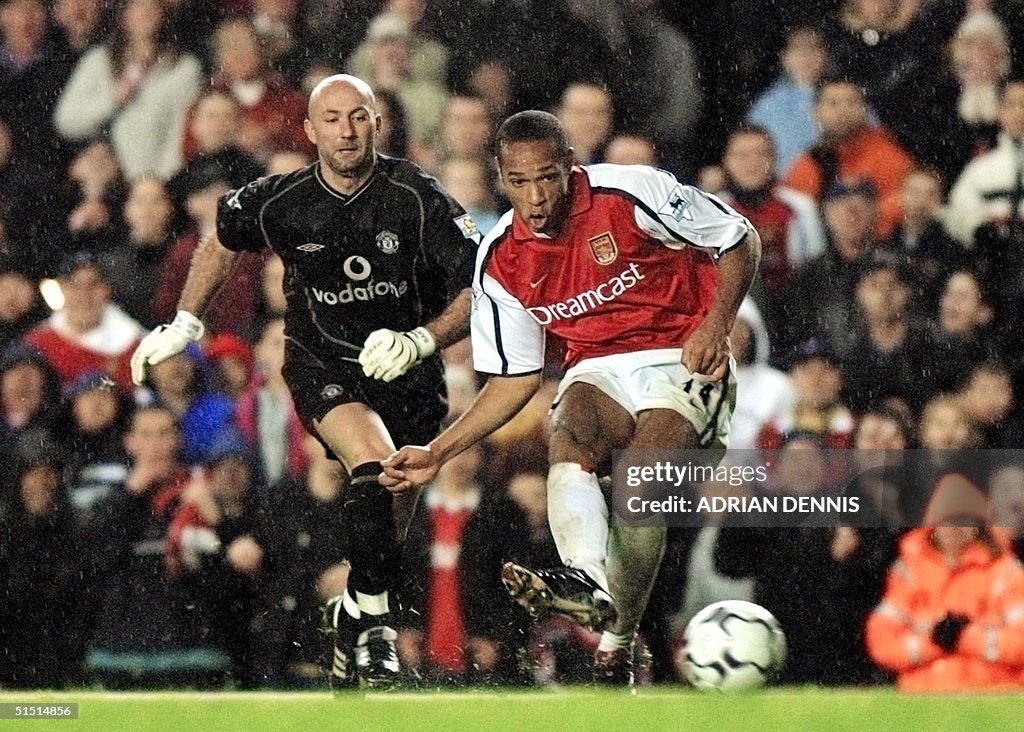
{"x":604,"y":248}
{"x":387,"y":242}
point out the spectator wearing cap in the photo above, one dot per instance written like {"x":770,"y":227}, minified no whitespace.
{"x":850,"y":147}
{"x":90,"y":333}
{"x":199,"y":186}
{"x":389,"y":40}
{"x":41,"y":573}
{"x":850,"y":209}
{"x":922,"y":239}
{"x":94,"y":423}
{"x":952,"y":616}
{"x":816,"y":408}
{"x":891,"y":346}
{"x":182,"y":384}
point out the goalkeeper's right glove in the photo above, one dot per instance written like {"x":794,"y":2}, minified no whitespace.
{"x":165,"y":341}
{"x":388,"y":354}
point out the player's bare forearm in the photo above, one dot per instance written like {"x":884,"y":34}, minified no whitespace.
{"x":736,"y":270}
{"x":211,"y":265}
{"x":452,"y":325}
{"x":499,"y":401}
{"x":706,"y":350}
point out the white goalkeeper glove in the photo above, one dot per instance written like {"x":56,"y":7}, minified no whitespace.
{"x":387,"y":354}
{"x":165,"y":341}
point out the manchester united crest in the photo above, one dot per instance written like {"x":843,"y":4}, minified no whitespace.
{"x":604,"y":248}
{"x":387,"y":242}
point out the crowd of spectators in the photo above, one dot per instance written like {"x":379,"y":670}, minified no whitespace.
{"x":188,"y":531}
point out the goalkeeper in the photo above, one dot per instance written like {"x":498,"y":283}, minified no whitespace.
{"x":378,"y":260}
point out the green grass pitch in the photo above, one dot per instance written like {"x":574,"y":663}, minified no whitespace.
{"x":568,"y":709}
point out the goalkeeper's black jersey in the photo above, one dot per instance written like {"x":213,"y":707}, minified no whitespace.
{"x":391,"y":255}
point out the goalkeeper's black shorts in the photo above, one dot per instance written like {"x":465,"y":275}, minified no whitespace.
{"x":411,"y":407}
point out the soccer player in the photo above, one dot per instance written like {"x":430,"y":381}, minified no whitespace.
{"x":642,"y":277}
{"x":378,"y":264}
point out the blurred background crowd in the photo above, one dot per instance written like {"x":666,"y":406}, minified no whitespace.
{"x":187,"y":532}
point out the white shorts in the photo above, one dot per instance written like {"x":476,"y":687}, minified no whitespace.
{"x":657,"y":379}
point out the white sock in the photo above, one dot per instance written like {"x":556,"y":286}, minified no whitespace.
{"x":372,"y":604}
{"x":578,"y":517}
{"x":613,"y":642}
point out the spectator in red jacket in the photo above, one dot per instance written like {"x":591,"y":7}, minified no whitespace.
{"x":90,"y":333}
{"x":850,"y":147}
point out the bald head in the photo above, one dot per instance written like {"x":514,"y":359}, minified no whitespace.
{"x":343,"y":124}
{"x":341,"y":86}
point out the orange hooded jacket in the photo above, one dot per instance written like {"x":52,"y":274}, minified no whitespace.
{"x":922,"y":588}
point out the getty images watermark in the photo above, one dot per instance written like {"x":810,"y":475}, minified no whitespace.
{"x":804,"y":484}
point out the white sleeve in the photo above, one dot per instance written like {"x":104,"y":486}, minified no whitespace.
{"x":965,"y":211}
{"x":185,"y":79}
{"x":807,"y":233}
{"x":86,"y":102}
{"x":506,"y":340}
{"x":681,"y":215}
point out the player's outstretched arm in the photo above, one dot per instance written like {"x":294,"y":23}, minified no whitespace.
{"x":211,"y":265}
{"x":706,"y":351}
{"x":387,"y":354}
{"x":499,"y":401}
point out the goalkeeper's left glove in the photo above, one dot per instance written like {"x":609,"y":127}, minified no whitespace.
{"x":387,"y":354}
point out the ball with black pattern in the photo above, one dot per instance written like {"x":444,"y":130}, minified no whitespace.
{"x":732,"y":646}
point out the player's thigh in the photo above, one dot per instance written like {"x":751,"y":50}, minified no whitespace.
{"x":587,"y":425}
{"x":668,"y":429}
{"x":355,"y":433}
{"x":663,"y":429}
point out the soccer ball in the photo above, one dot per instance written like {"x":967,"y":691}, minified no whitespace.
{"x":733,"y":645}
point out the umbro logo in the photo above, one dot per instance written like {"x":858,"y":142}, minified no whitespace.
{"x":311,"y":247}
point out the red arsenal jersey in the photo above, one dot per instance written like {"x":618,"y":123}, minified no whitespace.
{"x":633,"y":269}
